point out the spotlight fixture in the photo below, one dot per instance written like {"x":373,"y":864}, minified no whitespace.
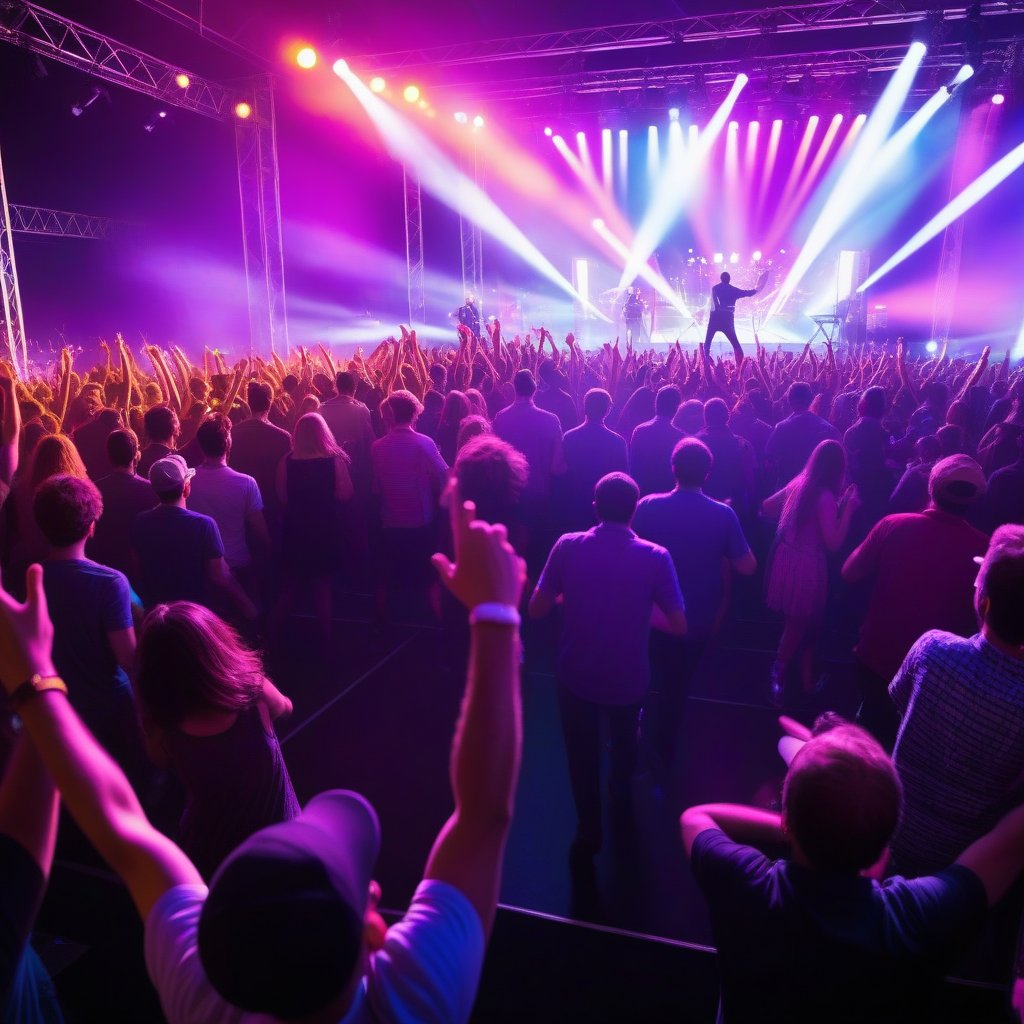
{"x":734,"y":257}
{"x":377,"y":84}
{"x":151,"y":124}
{"x":757,"y":256}
{"x":998,"y":99}
{"x":411,"y":93}
{"x":962,"y":76}
{"x":340,"y":66}
{"x":719,"y":258}
{"x":478,"y":121}
{"x":461,"y":117}
{"x":931,"y":347}
{"x":673,"y":113}
{"x":598,"y":223}
{"x":243,"y":110}
{"x":182,"y":81}
{"x":80,"y":108}
{"x":548,"y":132}
{"x":306,"y":58}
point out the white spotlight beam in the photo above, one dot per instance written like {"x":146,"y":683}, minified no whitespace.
{"x":974,"y":193}
{"x":849,"y":188}
{"x":674,"y":186}
{"x":439,"y":176}
{"x":654,"y":279}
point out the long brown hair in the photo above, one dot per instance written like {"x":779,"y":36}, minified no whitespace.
{"x":55,"y":455}
{"x":190,"y":661}
{"x":824,"y":472}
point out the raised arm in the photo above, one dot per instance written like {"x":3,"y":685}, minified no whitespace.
{"x":488,"y":578}
{"x":741,"y":824}
{"x":236,"y":384}
{"x":94,"y":788}
{"x":976,"y":374}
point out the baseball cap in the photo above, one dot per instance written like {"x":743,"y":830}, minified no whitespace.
{"x":957,"y":477}
{"x":168,"y":473}
{"x":281,"y":931}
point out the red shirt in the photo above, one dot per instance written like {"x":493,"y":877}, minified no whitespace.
{"x":922,"y":572}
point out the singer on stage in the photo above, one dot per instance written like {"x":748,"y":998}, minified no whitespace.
{"x":469,"y":315}
{"x":723,"y":312}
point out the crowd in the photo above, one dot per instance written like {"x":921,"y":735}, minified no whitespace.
{"x":162,"y":517}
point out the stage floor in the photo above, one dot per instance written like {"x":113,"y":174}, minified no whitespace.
{"x":380,"y":721}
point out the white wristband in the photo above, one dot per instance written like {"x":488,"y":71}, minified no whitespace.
{"x":496,"y":614}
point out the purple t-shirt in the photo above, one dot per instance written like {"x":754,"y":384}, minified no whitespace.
{"x":610,"y":581}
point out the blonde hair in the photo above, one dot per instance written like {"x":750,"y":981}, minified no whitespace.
{"x":313,"y":438}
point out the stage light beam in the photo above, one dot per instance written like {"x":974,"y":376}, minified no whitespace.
{"x":674,"y":188}
{"x":653,"y":154}
{"x":606,"y":159}
{"x":970,"y":196}
{"x":377,"y":84}
{"x":438,"y":175}
{"x":651,"y":276}
{"x":849,"y":188}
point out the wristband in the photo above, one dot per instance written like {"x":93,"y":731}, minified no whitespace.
{"x":494,"y":614}
{"x":34,"y":685}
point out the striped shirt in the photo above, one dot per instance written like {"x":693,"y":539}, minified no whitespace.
{"x":960,"y":748}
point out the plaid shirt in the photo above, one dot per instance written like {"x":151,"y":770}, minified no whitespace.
{"x":960,"y":748}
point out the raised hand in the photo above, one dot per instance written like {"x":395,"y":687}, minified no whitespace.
{"x":26,"y":634}
{"x":486,"y":569}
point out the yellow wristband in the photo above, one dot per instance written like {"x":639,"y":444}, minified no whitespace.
{"x":34,"y":685}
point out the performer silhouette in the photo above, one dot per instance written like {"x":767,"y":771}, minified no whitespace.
{"x":723,"y":312}
{"x":469,"y":314}
{"x":633,"y":314}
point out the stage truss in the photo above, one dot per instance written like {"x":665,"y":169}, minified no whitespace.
{"x":50,"y":35}
{"x":837,"y":16}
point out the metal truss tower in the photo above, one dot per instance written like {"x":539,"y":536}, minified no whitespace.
{"x":14,"y":321}
{"x":414,"y":246}
{"x":260,"y":192}
{"x":968,"y":159}
{"x":471,"y":237}
{"x":58,"y":38}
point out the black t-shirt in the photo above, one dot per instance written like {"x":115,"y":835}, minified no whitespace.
{"x":795,"y":944}
{"x":724,"y":297}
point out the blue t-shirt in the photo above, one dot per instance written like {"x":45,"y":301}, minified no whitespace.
{"x":796,"y":944}
{"x":86,"y":602}
{"x":698,"y":532}
{"x":174,"y":547}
